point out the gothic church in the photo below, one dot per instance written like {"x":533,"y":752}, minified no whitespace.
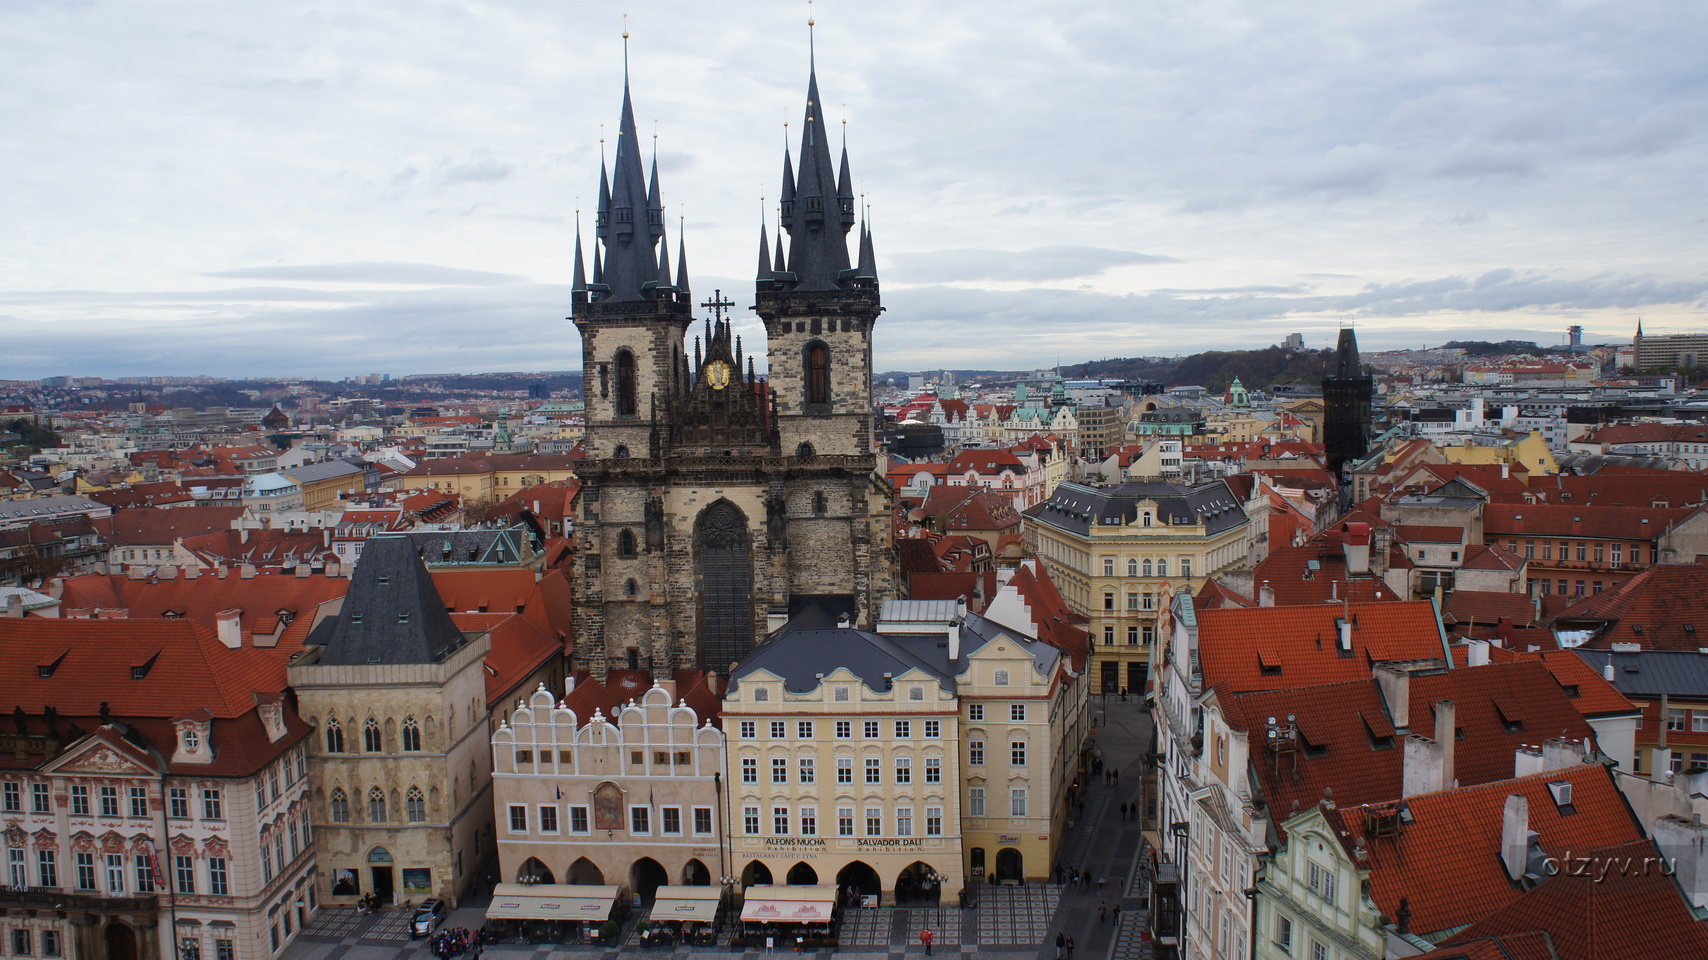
{"x":716,"y":503}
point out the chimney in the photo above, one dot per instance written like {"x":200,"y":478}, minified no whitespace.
{"x":246,"y":572}
{"x":1515,"y":835}
{"x":1343,"y":636}
{"x":242,"y":534}
{"x":192,"y":572}
{"x":1477,"y":653}
{"x":1560,"y":753}
{"x":303,"y":570}
{"x":1395,"y":684}
{"x":954,"y":642}
{"x":1357,"y":555}
{"x":1421,"y":767}
{"x":230,"y":626}
{"x":1684,"y":844}
{"x":1607,"y":669}
{"x":14,"y":605}
{"x":1446,"y":734}
{"x":1527,"y":761}
{"x":1505,"y":470}
{"x":224,"y":571}
{"x":1660,"y":764}
{"x":1266,"y":595}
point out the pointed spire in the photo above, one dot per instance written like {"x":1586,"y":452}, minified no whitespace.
{"x":698,"y":361}
{"x":654,"y":206}
{"x":579,"y":283}
{"x":868,"y":260}
{"x":682,"y":257}
{"x":787,"y":197}
{"x":764,"y":254}
{"x":845,"y":186}
{"x":630,"y":266}
{"x":737,"y":353}
{"x":598,"y":267}
{"x":664,"y":264}
{"x":780,"y":267}
{"x":818,"y":251}
{"x":602,"y":217}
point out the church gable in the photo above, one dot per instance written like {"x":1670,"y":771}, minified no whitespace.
{"x":104,"y":756}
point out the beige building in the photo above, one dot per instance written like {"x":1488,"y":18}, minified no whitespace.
{"x":324,"y":484}
{"x":1119,"y":553}
{"x":401,"y":758}
{"x":632,"y":799}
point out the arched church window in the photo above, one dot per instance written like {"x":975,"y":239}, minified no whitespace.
{"x":621,"y":453}
{"x":334,"y":736}
{"x":818,"y":374}
{"x":804,"y":450}
{"x":626,"y":544}
{"x":415,"y":805}
{"x":371,"y":736}
{"x":625,"y":383}
{"x":411,"y":735}
{"x":376,"y":805}
{"x":340,"y":806}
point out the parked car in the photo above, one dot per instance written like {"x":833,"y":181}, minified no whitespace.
{"x":427,"y":916}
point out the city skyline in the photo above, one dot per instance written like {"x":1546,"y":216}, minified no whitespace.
{"x":200,"y":190}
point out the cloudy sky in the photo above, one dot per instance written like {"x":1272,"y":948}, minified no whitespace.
{"x":326,"y":189}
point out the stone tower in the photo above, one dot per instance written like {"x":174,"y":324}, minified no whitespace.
{"x":1346,"y":406}
{"x":716,"y":503}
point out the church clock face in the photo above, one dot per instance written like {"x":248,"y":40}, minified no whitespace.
{"x":717,"y":374}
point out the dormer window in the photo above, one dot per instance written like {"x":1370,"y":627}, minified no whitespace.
{"x":192,"y":740}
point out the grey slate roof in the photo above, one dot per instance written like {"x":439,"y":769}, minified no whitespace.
{"x":801,"y":656}
{"x":316,"y":472}
{"x":1075,"y":506}
{"x":392,"y":613}
{"x":1650,"y":673}
{"x":467,"y":546}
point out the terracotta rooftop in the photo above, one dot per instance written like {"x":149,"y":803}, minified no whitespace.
{"x":1663,"y":608}
{"x":160,"y":526}
{"x":1269,"y":648}
{"x":1316,"y":573}
{"x":518,"y":648}
{"x":266,"y":602}
{"x":1622,"y":906}
{"x":1446,"y":861}
{"x":1519,"y":520}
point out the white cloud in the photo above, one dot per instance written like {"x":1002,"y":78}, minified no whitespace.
{"x":1425,"y":168}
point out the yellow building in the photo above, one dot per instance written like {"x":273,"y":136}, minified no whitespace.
{"x":492,"y":476}
{"x":324,"y":483}
{"x":1119,"y":553}
{"x":1531,"y":451}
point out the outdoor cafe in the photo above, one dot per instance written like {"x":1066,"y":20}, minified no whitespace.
{"x":789,"y":914}
{"x":550,"y":912}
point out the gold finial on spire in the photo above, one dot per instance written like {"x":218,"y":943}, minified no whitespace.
{"x":625,"y":49}
{"x":812,"y":52}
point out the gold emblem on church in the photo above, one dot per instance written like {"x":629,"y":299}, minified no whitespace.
{"x":717,"y":374}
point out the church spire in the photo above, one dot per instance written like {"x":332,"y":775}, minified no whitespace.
{"x":1348,"y":365}
{"x":682,"y":257}
{"x":817,"y":210}
{"x":579,"y":283}
{"x":764,"y":253}
{"x":868,"y":268}
{"x":663,"y":263}
{"x":631,"y":218}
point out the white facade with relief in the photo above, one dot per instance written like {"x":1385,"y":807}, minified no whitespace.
{"x":630,"y":800}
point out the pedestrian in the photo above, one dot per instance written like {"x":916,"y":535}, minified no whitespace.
{"x":1101,"y":880}
{"x":1115,"y":772}
{"x":1102,"y":911}
{"x":1123,"y":811}
{"x":1070,"y":948}
{"x":1117,"y":914}
{"x":926,"y":938}
{"x":1061,"y":941}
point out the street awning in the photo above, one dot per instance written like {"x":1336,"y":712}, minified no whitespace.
{"x":551,"y":901}
{"x":789,"y":904}
{"x":686,"y":903}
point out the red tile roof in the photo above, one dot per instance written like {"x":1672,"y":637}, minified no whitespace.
{"x":1302,"y":641}
{"x":263,"y":601}
{"x":160,"y":526}
{"x":1517,"y":520}
{"x":1621,"y":905}
{"x":1288,"y":572}
{"x":518,"y":649}
{"x":1353,"y":745}
{"x":485,"y":591}
{"x":697,"y":687}
{"x":1213,"y":595}
{"x":1654,"y":608}
{"x":1466,"y":608}
{"x":1491,"y":556}
{"x":1533,"y":945}
{"x":1446,"y":862}
{"x":92,"y":661}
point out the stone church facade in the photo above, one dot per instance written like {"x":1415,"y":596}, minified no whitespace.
{"x":716,"y":503}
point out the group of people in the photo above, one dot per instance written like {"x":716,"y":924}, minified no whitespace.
{"x":456,"y":941}
{"x":1130,"y":811}
{"x":1064,"y":946}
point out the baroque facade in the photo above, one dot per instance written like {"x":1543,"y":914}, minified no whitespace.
{"x":714,"y":502}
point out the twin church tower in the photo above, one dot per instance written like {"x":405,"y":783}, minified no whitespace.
{"x":715,"y":503}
